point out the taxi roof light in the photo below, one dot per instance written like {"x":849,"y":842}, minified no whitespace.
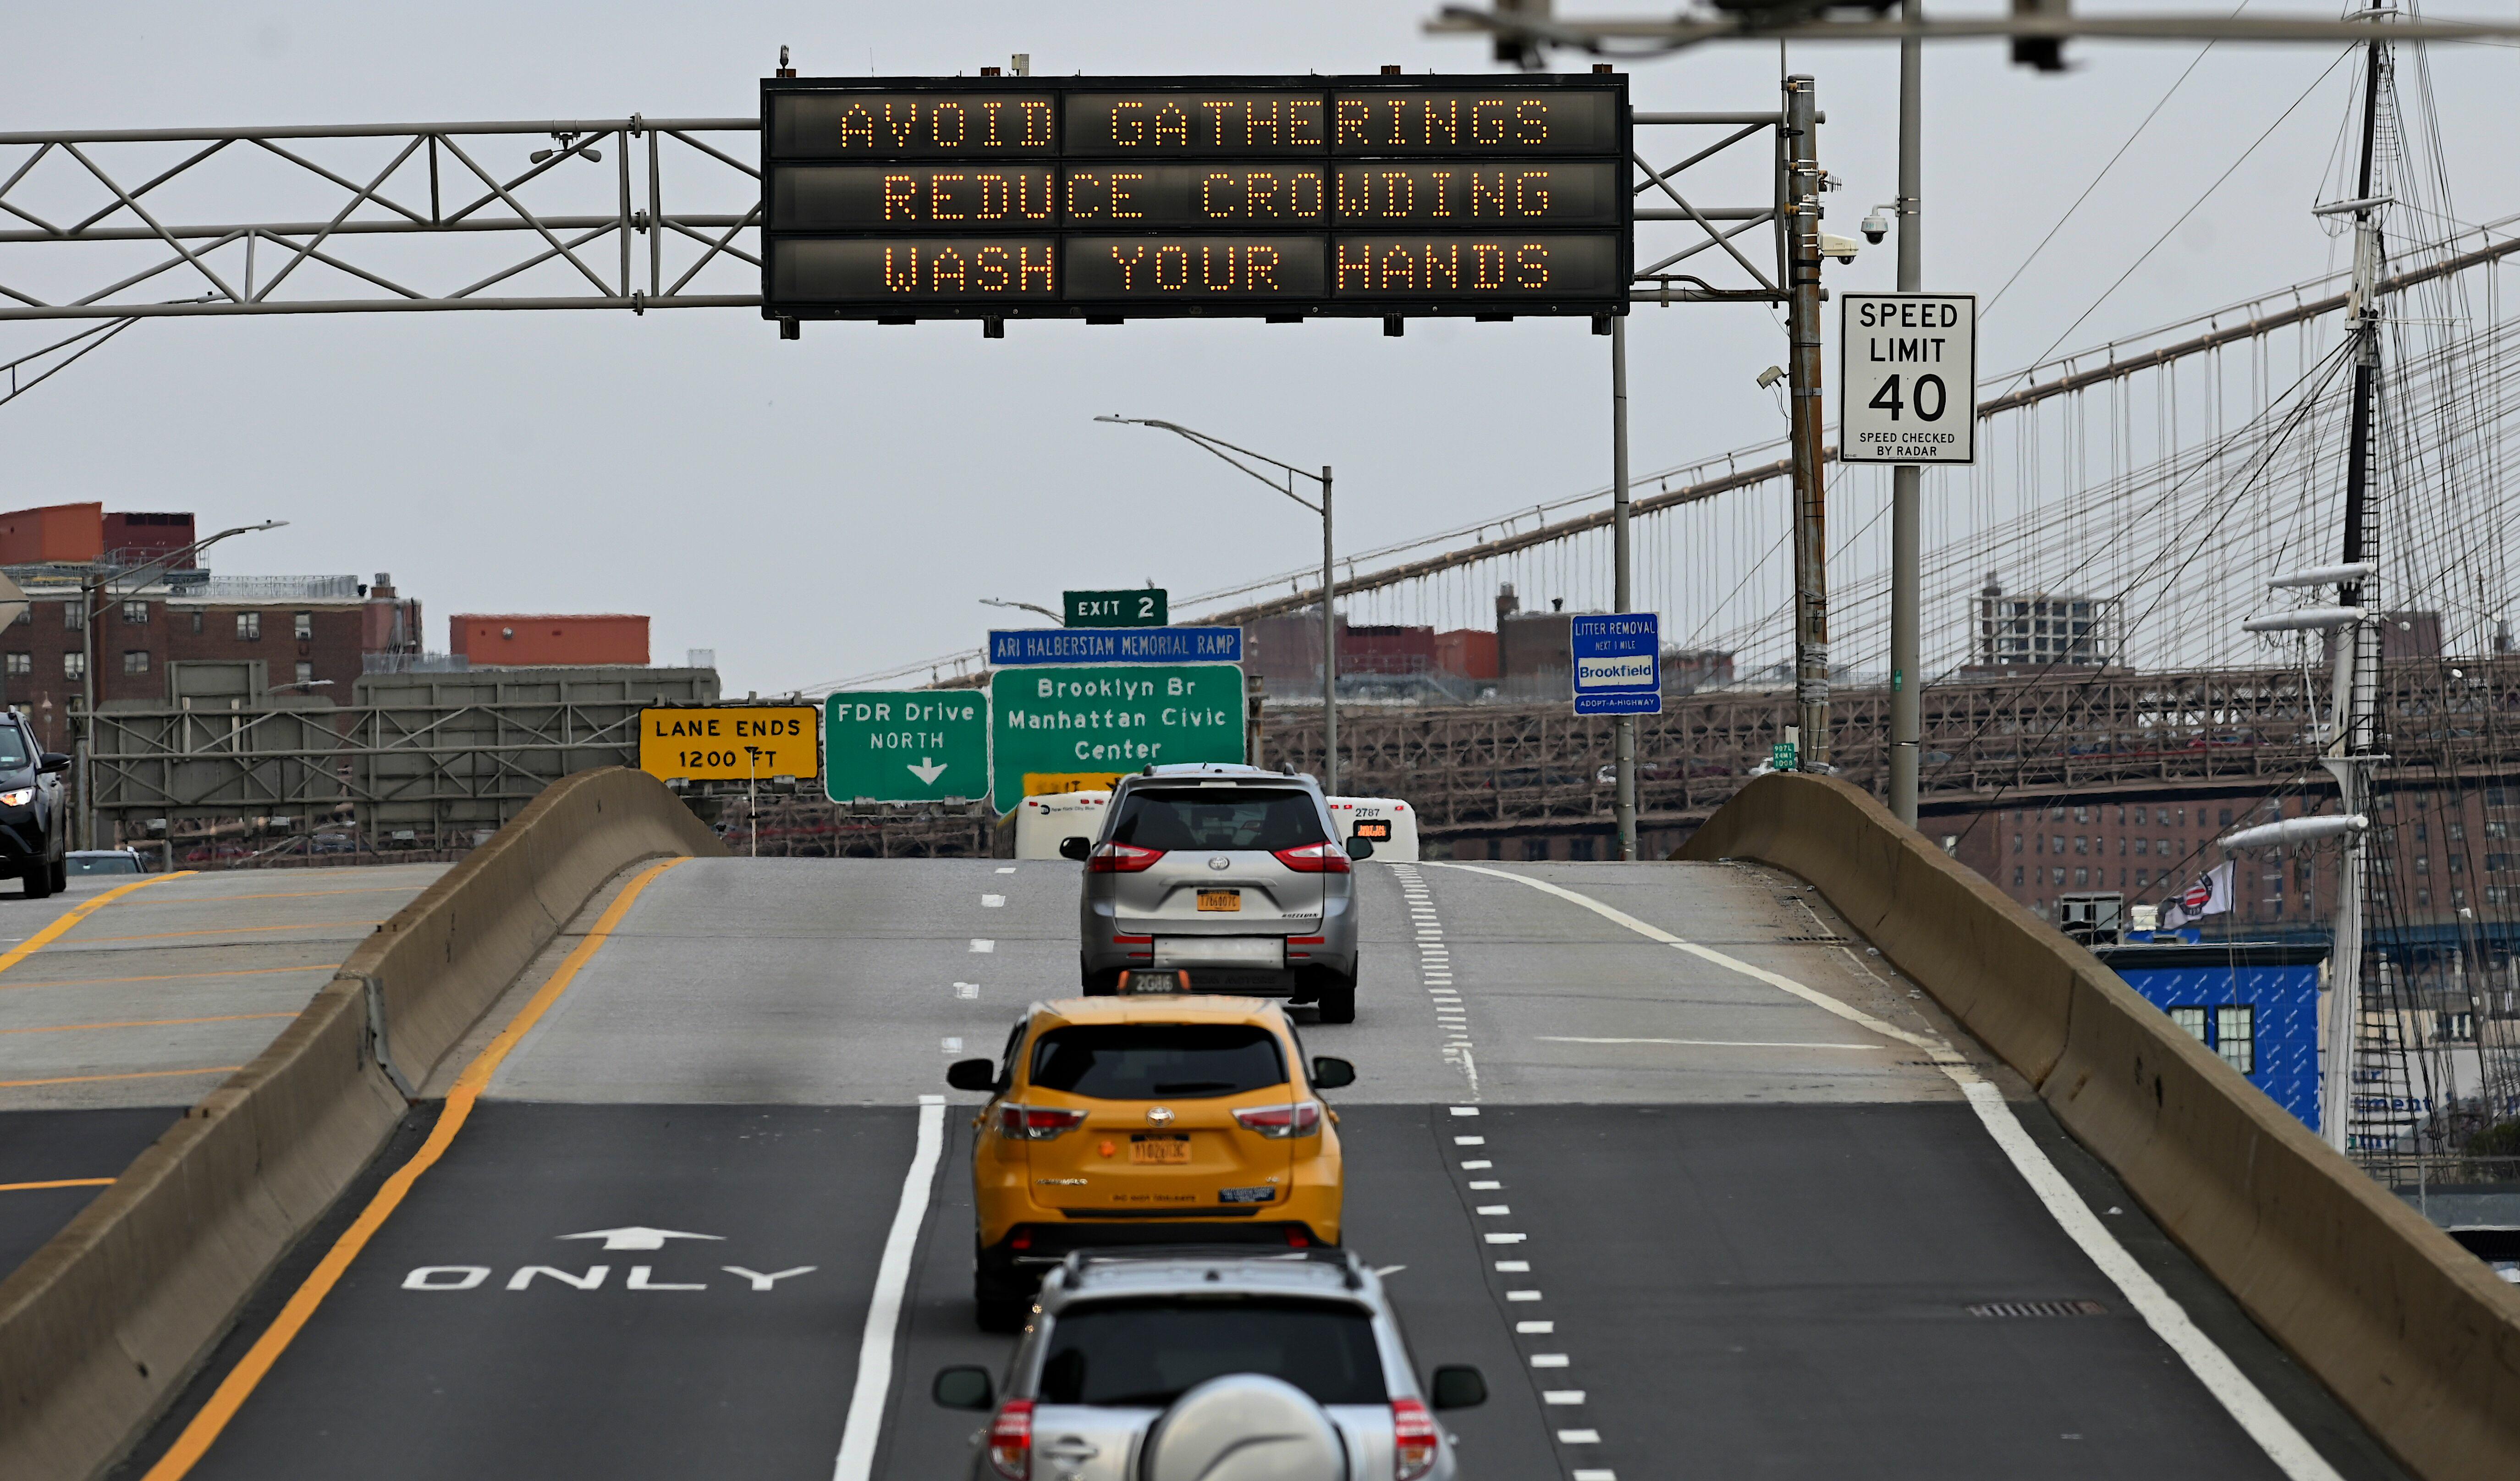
{"x":1144,"y":983}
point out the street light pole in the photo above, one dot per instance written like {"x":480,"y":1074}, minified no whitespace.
{"x":89,"y":610}
{"x":1329,"y":609}
{"x":1329,"y":652}
{"x":1907,"y":575}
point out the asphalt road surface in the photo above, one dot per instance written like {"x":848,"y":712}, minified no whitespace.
{"x":146,"y":999}
{"x":1669,"y":1158}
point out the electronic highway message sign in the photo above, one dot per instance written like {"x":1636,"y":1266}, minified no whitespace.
{"x":900,"y":199}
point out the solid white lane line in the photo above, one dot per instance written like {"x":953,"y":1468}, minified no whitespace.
{"x":865,"y":1423}
{"x":2240,"y":1398}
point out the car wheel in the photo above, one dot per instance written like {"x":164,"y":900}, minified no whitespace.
{"x":60,"y":873}
{"x":39,"y":879}
{"x":1003,"y":1304}
{"x":1102,"y":984}
{"x":1338,"y":1001}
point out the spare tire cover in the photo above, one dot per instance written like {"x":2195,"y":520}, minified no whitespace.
{"x":1245,"y":1427}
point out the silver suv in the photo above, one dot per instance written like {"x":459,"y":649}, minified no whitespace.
{"x":1142,"y":1364}
{"x":1232,"y":874}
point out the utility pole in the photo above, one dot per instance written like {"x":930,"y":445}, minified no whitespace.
{"x":1622,"y":582}
{"x":1811,"y":506}
{"x":1907,"y":496}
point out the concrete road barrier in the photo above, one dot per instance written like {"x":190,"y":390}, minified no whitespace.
{"x":2410,"y":1331}
{"x":99,"y":1327}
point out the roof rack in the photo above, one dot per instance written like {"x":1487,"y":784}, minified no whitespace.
{"x":1350,"y":1265}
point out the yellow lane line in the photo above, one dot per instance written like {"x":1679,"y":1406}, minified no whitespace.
{"x":29,"y":1188}
{"x":243,"y":971}
{"x":71,"y":1028}
{"x":77,"y":914}
{"x":225,"y":931}
{"x":138,"y":1074}
{"x":241,"y":1381}
{"x":301,"y":894}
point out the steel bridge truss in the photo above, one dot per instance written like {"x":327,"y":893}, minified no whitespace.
{"x":337,"y":208}
{"x":431,"y":768}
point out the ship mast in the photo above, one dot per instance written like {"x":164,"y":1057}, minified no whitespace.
{"x":2352,"y":747}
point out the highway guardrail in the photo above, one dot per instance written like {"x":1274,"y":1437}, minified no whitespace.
{"x":99,"y":1329}
{"x":2415,"y":1334}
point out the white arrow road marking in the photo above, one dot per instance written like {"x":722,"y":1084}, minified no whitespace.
{"x":761,"y":1281}
{"x":859,"y":1434}
{"x":927,"y":770}
{"x":636,"y":1237}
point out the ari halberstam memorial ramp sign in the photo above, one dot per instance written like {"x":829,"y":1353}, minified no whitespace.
{"x":1908,"y":370}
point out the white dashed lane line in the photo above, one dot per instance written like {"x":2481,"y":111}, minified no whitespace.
{"x":1524,"y":1296}
{"x":1435,"y":975}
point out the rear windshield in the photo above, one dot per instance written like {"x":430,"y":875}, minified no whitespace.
{"x":1150,"y":1352}
{"x":1240,"y":818}
{"x":103,"y":864}
{"x":1147,"y":1061}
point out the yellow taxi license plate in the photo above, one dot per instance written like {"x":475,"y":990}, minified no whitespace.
{"x":1159,"y":1149}
{"x":1220,"y":899}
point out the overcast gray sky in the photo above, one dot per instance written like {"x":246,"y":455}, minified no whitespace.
{"x":828,"y":506}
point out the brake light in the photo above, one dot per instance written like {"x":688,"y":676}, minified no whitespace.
{"x":1120,"y":859}
{"x":1323,"y":858}
{"x":1037,"y":1123}
{"x":1413,"y":1440}
{"x":1278,"y":1122}
{"x":1011,"y":1441}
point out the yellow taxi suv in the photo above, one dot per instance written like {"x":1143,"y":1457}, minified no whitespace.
{"x":1146,"y":1119}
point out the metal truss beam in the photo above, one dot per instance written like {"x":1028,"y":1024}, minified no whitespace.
{"x":104,"y":191}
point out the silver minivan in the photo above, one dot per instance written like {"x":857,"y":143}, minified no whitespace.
{"x":1230,"y":873}
{"x":1132,"y":1358}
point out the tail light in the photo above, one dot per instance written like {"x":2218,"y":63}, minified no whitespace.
{"x":1324,"y":858}
{"x":1413,"y":1440}
{"x":1011,"y":1440}
{"x":1297,"y":1238}
{"x":1120,"y":859}
{"x":1037,"y":1123}
{"x":1278,"y":1122}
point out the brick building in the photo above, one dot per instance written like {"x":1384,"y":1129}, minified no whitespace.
{"x":312,"y":635}
{"x":2438,"y":852}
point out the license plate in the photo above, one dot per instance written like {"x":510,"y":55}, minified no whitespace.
{"x":1220,"y":899}
{"x":1159,"y":1148}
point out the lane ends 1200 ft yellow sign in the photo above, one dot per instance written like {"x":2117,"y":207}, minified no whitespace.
{"x":730,"y":742}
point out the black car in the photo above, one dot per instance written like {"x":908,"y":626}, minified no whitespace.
{"x":34,"y":820}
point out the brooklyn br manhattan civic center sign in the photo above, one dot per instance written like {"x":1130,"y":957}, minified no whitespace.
{"x":1058,"y":730}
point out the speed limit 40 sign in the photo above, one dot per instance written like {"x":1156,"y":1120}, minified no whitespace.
{"x":1907,"y":369}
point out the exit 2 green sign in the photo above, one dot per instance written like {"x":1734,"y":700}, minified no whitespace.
{"x":906,"y":746}
{"x":1145,"y":607}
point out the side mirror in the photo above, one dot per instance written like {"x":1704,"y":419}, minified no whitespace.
{"x":971,"y":1388}
{"x":53,"y":761}
{"x":1074,"y":847}
{"x":1360,"y":848}
{"x":1459,"y":1386}
{"x":1331,"y":1073}
{"x":971,"y":1074}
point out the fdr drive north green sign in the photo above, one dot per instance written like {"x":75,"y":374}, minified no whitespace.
{"x":1059,"y":730}
{"x":906,"y":746}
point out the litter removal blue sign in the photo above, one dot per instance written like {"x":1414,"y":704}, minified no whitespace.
{"x":1618,"y":663}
